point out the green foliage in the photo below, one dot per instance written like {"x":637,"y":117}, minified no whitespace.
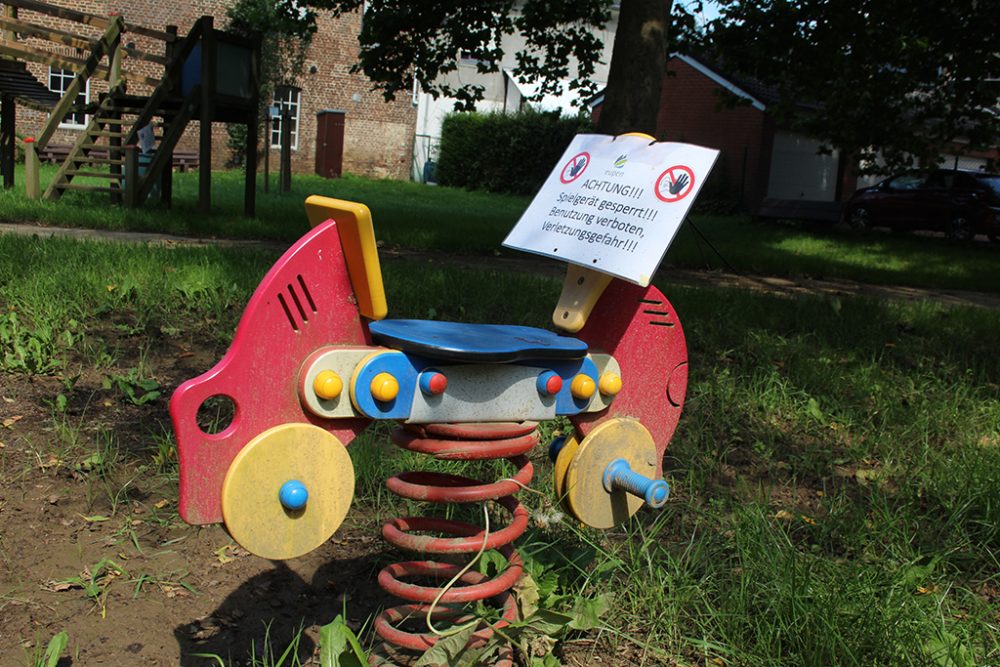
{"x":35,"y":350}
{"x":505,"y":153}
{"x":893,"y":77}
{"x":402,"y":41}
{"x":339,"y":646}
{"x":285,"y":29}
{"x":137,"y":390}
{"x":54,"y":651}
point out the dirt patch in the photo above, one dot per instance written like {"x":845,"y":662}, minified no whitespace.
{"x":90,"y":540}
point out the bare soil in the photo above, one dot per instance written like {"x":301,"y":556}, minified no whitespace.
{"x":180,"y":590}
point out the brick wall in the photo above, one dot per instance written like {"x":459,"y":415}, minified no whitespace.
{"x":692,"y":111}
{"x":378,"y":135}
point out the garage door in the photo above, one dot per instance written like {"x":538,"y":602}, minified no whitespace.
{"x":799,"y":172}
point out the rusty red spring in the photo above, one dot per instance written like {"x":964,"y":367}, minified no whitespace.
{"x":455,"y":442}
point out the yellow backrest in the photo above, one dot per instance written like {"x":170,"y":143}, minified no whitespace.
{"x":357,"y":238}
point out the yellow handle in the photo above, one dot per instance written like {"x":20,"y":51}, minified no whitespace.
{"x":357,"y":238}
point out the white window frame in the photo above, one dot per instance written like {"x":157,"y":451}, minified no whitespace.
{"x":65,"y":77}
{"x":293,"y":104}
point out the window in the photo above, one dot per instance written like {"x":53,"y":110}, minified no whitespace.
{"x":59,"y":80}
{"x":286,"y":97}
{"x":905,"y":182}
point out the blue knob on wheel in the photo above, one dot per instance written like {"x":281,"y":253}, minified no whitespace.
{"x":619,"y":475}
{"x":293,"y":495}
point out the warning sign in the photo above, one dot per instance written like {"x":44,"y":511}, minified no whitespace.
{"x":614,"y":204}
{"x":574,"y":169}
{"x":675,"y":183}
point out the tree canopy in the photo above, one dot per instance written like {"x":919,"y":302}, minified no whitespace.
{"x":403,"y":42}
{"x":891,"y":78}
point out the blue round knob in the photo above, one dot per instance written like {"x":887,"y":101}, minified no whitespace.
{"x":293,"y":495}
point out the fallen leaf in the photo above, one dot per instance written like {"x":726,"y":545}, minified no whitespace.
{"x":10,"y":421}
{"x":59,"y":586}
{"x":160,"y":504}
{"x":222,"y":556}
{"x":783,"y":515}
{"x":97,"y":518}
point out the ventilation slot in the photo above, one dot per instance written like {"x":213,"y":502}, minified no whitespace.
{"x":305,"y":291}
{"x":657,"y":312}
{"x":651,"y":301}
{"x":288,"y":313}
{"x":661,"y":324}
{"x":298,"y":304}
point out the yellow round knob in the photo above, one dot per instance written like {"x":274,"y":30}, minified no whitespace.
{"x":610,"y":384}
{"x":582,"y":387}
{"x":328,"y":385}
{"x":384,"y":387}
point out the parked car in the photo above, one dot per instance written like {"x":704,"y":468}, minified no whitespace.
{"x":959,"y":203}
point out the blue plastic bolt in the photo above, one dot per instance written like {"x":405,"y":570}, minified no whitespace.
{"x":619,"y":475}
{"x":293,"y":495}
{"x":556,"y":446}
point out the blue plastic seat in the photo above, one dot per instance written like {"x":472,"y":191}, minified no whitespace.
{"x":475,"y":343}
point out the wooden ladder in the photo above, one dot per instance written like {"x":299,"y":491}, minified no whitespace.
{"x":103,"y":125}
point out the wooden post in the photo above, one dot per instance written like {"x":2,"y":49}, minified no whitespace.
{"x":250,"y":163}
{"x":32,"y":184}
{"x":268,"y":128}
{"x":115,"y":143}
{"x":167,"y":175}
{"x":115,"y":62}
{"x":253,"y":136}
{"x":207,"y":113}
{"x":131,"y":176}
{"x":10,"y":13}
{"x":285,"y":179}
{"x":8,"y":145}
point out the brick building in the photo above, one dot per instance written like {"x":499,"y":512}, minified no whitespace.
{"x":767,"y":169}
{"x":759,"y":164}
{"x":378,"y":135}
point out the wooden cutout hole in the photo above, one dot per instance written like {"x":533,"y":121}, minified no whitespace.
{"x":216,"y":414}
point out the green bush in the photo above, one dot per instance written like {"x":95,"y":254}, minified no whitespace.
{"x":506,"y":153}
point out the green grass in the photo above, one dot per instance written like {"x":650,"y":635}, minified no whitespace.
{"x":449,"y":220}
{"x":836,"y":473}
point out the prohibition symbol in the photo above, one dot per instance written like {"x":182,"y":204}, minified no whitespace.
{"x":574,"y":169}
{"x":675,"y":184}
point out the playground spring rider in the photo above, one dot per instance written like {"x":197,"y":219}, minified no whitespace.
{"x":314,"y":361}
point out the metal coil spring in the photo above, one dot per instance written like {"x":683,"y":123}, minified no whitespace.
{"x":466,"y":442}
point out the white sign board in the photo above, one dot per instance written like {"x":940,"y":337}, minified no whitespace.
{"x":614,"y":204}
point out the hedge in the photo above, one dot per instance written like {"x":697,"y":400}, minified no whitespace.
{"x":506,"y":153}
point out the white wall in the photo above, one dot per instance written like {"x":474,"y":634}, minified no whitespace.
{"x":501,"y":93}
{"x":798,"y":172}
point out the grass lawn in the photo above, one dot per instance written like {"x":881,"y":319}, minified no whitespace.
{"x":450,"y":220}
{"x":835,"y":475}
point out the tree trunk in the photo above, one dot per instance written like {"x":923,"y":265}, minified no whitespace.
{"x":632,"y":96}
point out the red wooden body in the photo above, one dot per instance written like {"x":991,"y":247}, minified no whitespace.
{"x":305,"y":301}
{"x":641,"y":330}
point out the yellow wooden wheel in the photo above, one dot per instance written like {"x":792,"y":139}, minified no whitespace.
{"x":287,"y":491}
{"x":582,"y":486}
{"x":561,"y":466}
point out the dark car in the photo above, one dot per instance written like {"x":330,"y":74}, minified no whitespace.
{"x":959,"y":203}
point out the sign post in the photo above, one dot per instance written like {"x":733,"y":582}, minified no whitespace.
{"x":614,"y":204}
